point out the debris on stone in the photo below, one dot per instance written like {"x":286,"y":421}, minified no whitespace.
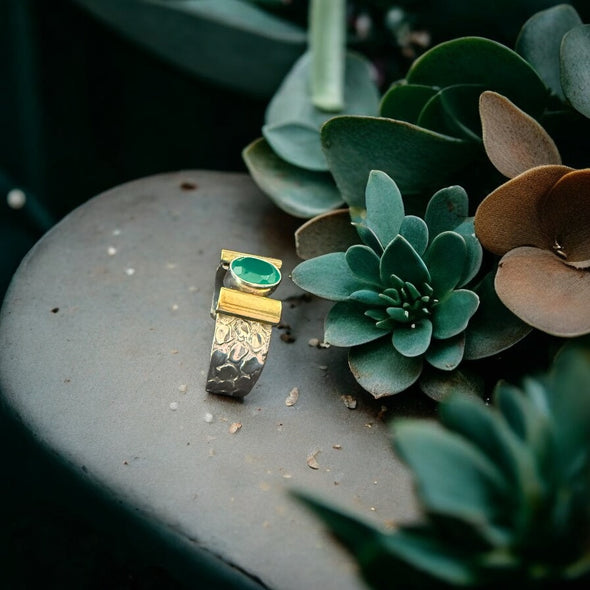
{"x":208,"y":417}
{"x":111,"y":250}
{"x":349,"y":401}
{"x":324,"y":345}
{"x":314,"y":342}
{"x":182,"y":388}
{"x":174,"y":406}
{"x":292,"y":397}
{"x":312,"y":461}
{"x":337,"y":447}
{"x":382,"y":413}
{"x":129,"y":272}
{"x":234,"y":427}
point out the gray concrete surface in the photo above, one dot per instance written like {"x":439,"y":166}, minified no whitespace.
{"x":104,"y":346}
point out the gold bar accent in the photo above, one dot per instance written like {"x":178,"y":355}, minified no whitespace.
{"x":228,"y":255}
{"x":249,"y":306}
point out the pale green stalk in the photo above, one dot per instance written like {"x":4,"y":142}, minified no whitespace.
{"x":327,"y":42}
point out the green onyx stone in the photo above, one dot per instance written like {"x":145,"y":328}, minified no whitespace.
{"x":255,"y":271}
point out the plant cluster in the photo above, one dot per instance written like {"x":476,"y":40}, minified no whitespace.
{"x":503,"y":490}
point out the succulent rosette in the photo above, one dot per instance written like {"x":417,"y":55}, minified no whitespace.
{"x":401,"y":301}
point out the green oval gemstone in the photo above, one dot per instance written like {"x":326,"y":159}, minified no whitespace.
{"x":255,"y":271}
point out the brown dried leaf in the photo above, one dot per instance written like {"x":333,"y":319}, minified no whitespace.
{"x":328,"y":232}
{"x":513,"y":140}
{"x":544,"y":292}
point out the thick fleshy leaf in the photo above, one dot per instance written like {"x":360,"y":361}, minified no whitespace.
{"x":327,"y":276}
{"x":565,"y":217}
{"x":453,"y":111}
{"x":227,"y":37}
{"x":446,"y":355}
{"x":347,"y":325}
{"x":412,"y":339}
{"x":447,"y":208}
{"x":575,"y":76}
{"x":368,"y":237}
{"x":381,"y":370}
{"x":540,"y":38}
{"x":476,"y":492}
{"x":474,"y":60}
{"x":474,"y":251}
{"x":452,"y":314}
{"x":299,"y":192}
{"x":370,"y":299}
{"x":399,"y":258}
{"x":545,"y":293}
{"x":325,"y":233}
{"x":513,"y":140}
{"x":469,"y":417}
{"x":493,"y":328}
{"x":405,"y":101}
{"x":297,"y":143}
{"x":364,"y":263}
{"x":418,"y":160}
{"x":293,"y":122}
{"x":439,"y":385}
{"x":445,"y":259}
{"x":415,"y":230}
{"x":385,"y":207}
{"x":508,"y":217}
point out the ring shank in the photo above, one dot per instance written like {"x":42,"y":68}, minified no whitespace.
{"x":238,"y":353}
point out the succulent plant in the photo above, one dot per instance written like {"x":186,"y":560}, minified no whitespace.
{"x":400,"y":301}
{"x":504,"y":491}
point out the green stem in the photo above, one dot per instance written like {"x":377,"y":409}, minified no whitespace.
{"x":327,"y":41}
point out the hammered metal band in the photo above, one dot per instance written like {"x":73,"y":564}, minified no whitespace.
{"x":244,"y":317}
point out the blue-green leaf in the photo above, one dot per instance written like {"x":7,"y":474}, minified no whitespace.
{"x":575,"y":74}
{"x":405,"y":101}
{"x":446,"y":209}
{"x":452,"y":314}
{"x":474,"y":252}
{"x":399,"y":258}
{"x":369,"y":297}
{"x":446,"y":355}
{"x":439,"y":385}
{"x":368,"y":237}
{"x":327,"y":276}
{"x":297,"y":143}
{"x":381,"y":370}
{"x":364,"y":263}
{"x":445,"y":259}
{"x":299,"y":192}
{"x":412,"y":339}
{"x":347,"y":325}
{"x":415,"y":230}
{"x":540,"y":38}
{"x":385,"y":207}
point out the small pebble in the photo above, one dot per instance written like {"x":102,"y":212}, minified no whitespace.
{"x":112,"y":250}
{"x":234,"y":427}
{"x":314,"y":342}
{"x":349,"y":401}
{"x":182,"y":388}
{"x":292,"y":397}
{"x":130,"y":271}
{"x":174,"y":406}
{"x":208,"y":417}
{"x":174,"y":307}
{"x":337,"y":447}
{"x":16,"y":198}
{"x":323,"y":345}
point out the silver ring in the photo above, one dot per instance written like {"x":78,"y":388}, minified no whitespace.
{"x":244,"y":316}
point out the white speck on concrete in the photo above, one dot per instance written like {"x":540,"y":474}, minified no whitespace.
{"x":174,"y":406}
{"x":111,"y":250}
{"x":208,"y":417}
{"x":116,"y":232}
{"x":174,"y":307}
{"x":182,"y":388}
{"x":130,"y":271}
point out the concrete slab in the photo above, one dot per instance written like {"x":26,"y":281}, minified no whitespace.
{"x":105,"y":336}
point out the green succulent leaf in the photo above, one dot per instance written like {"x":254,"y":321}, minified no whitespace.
{"x":475,"y":60}
{"x":447,"y":209}
{"x":293,"y":123}
{"x":446,"y":355}
{"x":477,"y":490}
{"x":415,"y":230}
{"x":452,"y":314}
{"x":493,"y":328}
{"x":412,"y":339}
{"x":575,"y":74}
{"x":417,"y":159}
{"x":445,"y":259}
{"x":474,"y":251}
{"x":439,"y":385}
{"x":368,"y":297}
{"x":297,"y":143}
{"x":346,"y":325}
{"x":299,"y":192}
{"x":327,"y":276}
{"x":368,"y":237}
{"x":540,"y":38}
{"x":364,"y":263}
{"x":454,"y":111}
{"x":399,"y":258}
{"x":381,"y":370}
{"x":385,"y":206}
{"x":405,"y":101}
